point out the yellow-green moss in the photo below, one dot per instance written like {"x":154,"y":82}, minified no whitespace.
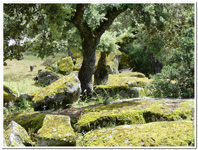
{"x":132,"y":74}
{"x":112,"y":55}
{"x":57,"y":127}
{"x":9,"y":94}
{"x":65,"y":64}
{"x":33,"y":120}
{"x":56,"y":87}
{"x":133,"y":79}
{"x":8,"y":97}
{"x":176,"y":133}
{"x":11,"y":90}
{"x":134,"y":112}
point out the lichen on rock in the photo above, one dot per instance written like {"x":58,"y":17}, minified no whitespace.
{"x":134,"y":112}
{"x":127,"y":85}
{"x":59,"y":94}
{"x":46,"y":77}
{"x":33,"y":120}
{"x":9,"y":95}
{"x":174,"y":133}
{"x":65,"y":65}
{"x":56,"y":131}
{"x":15,"y":136}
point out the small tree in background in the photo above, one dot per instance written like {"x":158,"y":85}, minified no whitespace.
{"x":106,"y":46}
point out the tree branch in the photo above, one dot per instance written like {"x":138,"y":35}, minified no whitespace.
{"x":111,"y":15}
{"x":78,"y":21}
{"x":78,"y":17}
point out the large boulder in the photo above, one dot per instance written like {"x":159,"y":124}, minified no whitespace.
{"x":59,"y":94}
{"x":15,"y":136}
{"x":56,"y":131}
{"x":174,"y":133}
{"x":65,"y":65}
{"x":135,"y":111}
{"x":46,"y":77}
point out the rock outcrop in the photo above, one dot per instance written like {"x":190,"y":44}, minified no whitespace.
{"x":136,"y":111}
{"x":174,"y":133}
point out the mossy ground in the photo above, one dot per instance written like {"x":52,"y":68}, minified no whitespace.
{"x":174,"y":133}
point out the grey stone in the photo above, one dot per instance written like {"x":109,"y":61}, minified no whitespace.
{"x":60,"y":94}
{"x":16,"y":135}
{"x":46,"y":77}
{"x":25,"y":96}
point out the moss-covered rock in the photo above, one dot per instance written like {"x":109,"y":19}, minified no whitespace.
{"x":9,"y":95}
{"x":65,"y":65}
{"x":46,"y":77}
{"x":126,"y":85}
{"x":174,"y":133}
{"x":136,"y":111}
{"x":15,"y":136}
{"x":56,"y":131}
{"x":131,"y":74}
{"x":33,"y":120}
{"x":59,"y":94}
{"x":119,"y":91}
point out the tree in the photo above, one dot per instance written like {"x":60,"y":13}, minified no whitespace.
{"x":44,"y":24}
{"x":177,"y":76}
{"x":106,"y":46}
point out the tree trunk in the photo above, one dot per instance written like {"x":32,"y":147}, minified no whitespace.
{"x":101,"y":74}
{"x":90,"y":39}
{"x":86,"y":71}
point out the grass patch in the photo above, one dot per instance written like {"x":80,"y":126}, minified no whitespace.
{"x":17,"y":74}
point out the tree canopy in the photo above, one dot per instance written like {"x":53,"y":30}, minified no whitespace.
{"x":154,"y":35}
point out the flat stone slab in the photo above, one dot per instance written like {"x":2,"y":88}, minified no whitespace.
{"x":136,"y":111}
{"x":56,"y":131}
{"x":174,"y":133}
